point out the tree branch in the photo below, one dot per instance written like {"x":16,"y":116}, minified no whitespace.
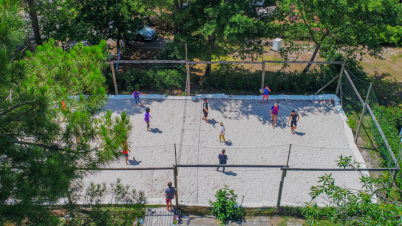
{"x":30,"y":143}
{"x":16,"y":106}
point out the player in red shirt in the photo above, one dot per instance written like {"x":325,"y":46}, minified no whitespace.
{"x":126,"y":151}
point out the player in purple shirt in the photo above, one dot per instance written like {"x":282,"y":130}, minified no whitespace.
{"x":136,"y":96}
{"x":147,"y":116}
{"x":274,"y":114}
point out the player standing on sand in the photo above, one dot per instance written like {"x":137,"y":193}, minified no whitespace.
{"x":266,"y":94}
{"x":205,"y":109}
{"x":147,"y":116}
{"x":222,"y":134}
{"x":136,"y":96}
{"x":274,"y":114}
{"x":126,"y":151}
{"x":223,"y":159}
{"x":295,"y":118}
{"x":170,"y":192}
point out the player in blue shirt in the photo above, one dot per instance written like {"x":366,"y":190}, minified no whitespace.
{"x":266,"y":94}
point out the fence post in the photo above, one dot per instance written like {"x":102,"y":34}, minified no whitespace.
{"x":278,"y":204}
{"x":364,"y":111}
{"x":114,"y":79}
{"x":341,"y":94}
{"x":188,"y":74}
{"x":175,"y":174}
{"x":340,"y":78}
{"x":263,"y":74}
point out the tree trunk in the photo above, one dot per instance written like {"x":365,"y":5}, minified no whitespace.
{"x":176,"y":4}
{"x":317,"y":47}
{"x":34,"y":20}
{"x":211,"y":41}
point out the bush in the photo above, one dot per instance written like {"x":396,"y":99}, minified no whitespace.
{"x":390,"y":120}
{"x":151,"y":79}
{"x":225,"y":207}
{"x":228,"y":78}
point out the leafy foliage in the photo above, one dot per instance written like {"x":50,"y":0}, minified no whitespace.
{"x":390,"y":120}
{"x":225,"y":207}
{"x":375,"y":204}
{"x":215,"y":28}
{"x":153,"y":79}
{"x":337,"y":26}
{"x":59,"y":20}
{"x":114,"y":214}
{"x":111,"y":18}
{"x":44,"y":142}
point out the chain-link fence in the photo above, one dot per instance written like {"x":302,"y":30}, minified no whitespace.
{"x":366,"y":118}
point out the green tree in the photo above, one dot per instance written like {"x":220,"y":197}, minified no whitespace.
{"x":43,"y":142}
{"x":378,"y":203}
{"x":225,"y":207}
{"x":115,"y":19}
{"x":59,"y":21}
{"x":215,"y":28}
{"x":336,"y":26}
{"x":32,"y":8}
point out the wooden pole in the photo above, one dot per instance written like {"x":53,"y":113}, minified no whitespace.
{"x":263,"y":75}
{"x":326,"y":85}
{"x":278,"y":204}
{"x":341,"y":94}
{"x":114,"y":79}
{"x":188,"y":74}
{"x":340,"y":79}
{"x":364,"y":111}
{"x":175,"y":173}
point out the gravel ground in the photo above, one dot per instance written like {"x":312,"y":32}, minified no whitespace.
{"x":251,"y":139}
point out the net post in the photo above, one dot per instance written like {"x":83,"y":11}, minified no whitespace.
{"x":188,"y":73}
{"x":263,"y":72}
{"x":364,"y":111}
{"x":340,"y":78}
{"x":278,"y":203}
{"x":114,"y":79}
{"x":175,"y":174}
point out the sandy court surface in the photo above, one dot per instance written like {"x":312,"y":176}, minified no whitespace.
{"x":319,"y":140}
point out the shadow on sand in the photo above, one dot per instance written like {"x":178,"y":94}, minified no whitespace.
{"x":212,"y":122}
{"x":134,"y":162}
{"x":228,"y":143}
{"x":155,"y":130}
{"x":230,"y":173}
{"x":299,"y":133}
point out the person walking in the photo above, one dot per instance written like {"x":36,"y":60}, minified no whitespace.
{"x":266,"y":94}
{"x":222,"y":134}
{"x":274,"y":114}
{"x":222,"y":160}
{"x":205,"y":110}
{"x":126,"y":151}
{"x":136,"y":96}
{"x":147,"y":116}
{"x":170,"y":192}
{"x":293,"y":119}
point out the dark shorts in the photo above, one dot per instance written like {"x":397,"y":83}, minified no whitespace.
{"x":205,"y":113}
{"x":126,"y":155}
{"x":293,"y":124}
{"x":168,"y":201}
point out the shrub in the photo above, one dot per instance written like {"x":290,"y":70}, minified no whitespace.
{"x":225,"y":207}
{"x":151,"y":79}
{"x":390,"y":120}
